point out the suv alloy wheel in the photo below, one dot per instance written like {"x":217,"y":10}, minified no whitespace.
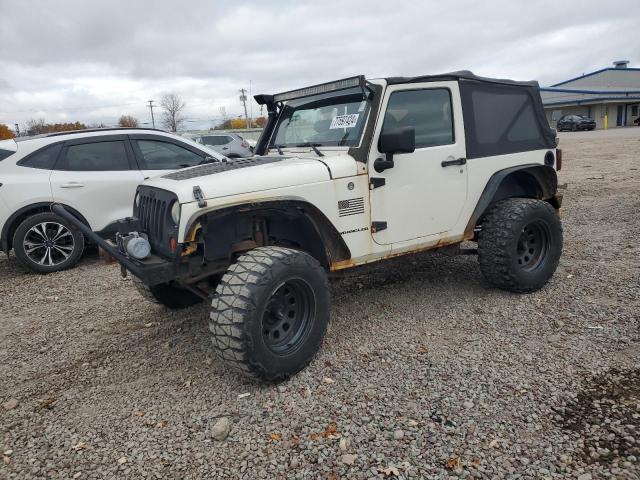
{"x":46,"y":243}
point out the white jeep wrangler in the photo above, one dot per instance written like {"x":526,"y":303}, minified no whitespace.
{"x":347,"y":173}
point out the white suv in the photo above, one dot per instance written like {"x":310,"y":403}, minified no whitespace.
{"x":94,"y":173}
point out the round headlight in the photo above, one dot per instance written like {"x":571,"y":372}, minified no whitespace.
{"x":175,"y":213}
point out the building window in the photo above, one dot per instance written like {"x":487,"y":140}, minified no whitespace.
{"x":634,"y":111}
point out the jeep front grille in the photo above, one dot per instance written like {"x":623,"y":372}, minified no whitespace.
{"x":155,"y":218}
{"x":152,"y":213}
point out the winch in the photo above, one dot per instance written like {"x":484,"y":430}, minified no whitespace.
{"x":134,"y":244}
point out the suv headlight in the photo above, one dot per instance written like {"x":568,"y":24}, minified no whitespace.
{"x":175,"y":212}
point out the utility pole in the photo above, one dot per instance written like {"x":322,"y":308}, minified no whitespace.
{"x":250,"y":106}
{"x":243,"y":99}
{"x":151,"y":105}
{"x":17,"y":130}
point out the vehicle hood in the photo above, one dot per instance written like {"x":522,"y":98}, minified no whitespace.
{"x":246,"y":175}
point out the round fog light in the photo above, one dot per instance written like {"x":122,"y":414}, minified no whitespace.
{"x":138,"y":248}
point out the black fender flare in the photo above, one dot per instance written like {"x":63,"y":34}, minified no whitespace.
{"x":10,"y":225}
{"x":333,"y":244}
{"x":544,"y":176}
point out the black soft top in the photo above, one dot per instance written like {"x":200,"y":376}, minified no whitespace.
{"x":459,"y":75}
{"x":501,"y":116}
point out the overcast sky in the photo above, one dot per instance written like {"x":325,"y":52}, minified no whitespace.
{"x":93,"y":61}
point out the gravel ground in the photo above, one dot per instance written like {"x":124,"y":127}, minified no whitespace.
{"x":426,"y":372}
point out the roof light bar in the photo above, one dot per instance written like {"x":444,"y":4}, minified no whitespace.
{"x":321,"y":88}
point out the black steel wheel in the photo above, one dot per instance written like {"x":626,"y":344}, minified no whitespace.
{"x":47,"y":243}
{"x":519,"y":244}
{"x":270,"y":312}
{"x":289,"y":313}
{"x":532,"y":245}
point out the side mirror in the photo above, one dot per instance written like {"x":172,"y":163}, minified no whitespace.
{"x":398,"y":140}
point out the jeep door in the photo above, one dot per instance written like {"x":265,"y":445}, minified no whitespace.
{"x":424,"y":193}
{"x":97,"y":176}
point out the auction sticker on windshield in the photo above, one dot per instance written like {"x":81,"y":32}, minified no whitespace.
{"x":344,"y":121}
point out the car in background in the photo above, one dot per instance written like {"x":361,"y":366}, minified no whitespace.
{"x":575,"y":122}
{"x":231,"y":145}
{"x":93,"y":173}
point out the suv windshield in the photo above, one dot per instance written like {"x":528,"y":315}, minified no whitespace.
{"x":323,"y":120}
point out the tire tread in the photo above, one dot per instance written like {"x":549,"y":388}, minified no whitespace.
{"x":495,"y":236}
{"x":233,"y":303}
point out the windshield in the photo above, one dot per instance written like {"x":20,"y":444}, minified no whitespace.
{"x":322,"y":120}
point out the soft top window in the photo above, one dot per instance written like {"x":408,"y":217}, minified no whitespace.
{"x":427,"y":110}
{"x":502,"y":119}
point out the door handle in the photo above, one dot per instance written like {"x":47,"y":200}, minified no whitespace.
{"x":72,"y":185}
{"x":457,"y":161}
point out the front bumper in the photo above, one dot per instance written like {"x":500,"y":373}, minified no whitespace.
{"x":153,"y":270}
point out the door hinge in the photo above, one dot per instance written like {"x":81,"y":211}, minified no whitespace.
{"x":375,"y":182}
{"x":197,"y":195}
{"x":378,"y":226}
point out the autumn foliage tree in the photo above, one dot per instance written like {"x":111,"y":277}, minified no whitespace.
{"x":259,"y":122}
{"x":38,"y":127}
{"x":128,"y":121}
{"x":240,"y":123}
{"x":5,"y":132}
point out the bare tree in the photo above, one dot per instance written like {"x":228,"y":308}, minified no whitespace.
{"x":36,"y":126}
{"x":128,"y":121}
{"x":173,"y":105}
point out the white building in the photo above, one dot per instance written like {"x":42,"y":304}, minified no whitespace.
{"x":613,"y":93}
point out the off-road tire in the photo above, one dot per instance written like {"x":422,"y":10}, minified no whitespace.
{"x":171,"y":296}
{"x":500,"y":244}
{"x":240,"y":312}
{"x":73,"y":247}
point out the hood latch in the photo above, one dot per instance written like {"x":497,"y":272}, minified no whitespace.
{"x":197,"y":195}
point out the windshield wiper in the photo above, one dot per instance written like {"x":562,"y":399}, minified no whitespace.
{"x":207,"y":159}
{"x":278,"y":147}
{"x":313,"y":147}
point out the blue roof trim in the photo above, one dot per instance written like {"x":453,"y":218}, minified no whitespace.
{"x":587,"y":101}
{"x":569,"y":90}
{"x":597,"y":72}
